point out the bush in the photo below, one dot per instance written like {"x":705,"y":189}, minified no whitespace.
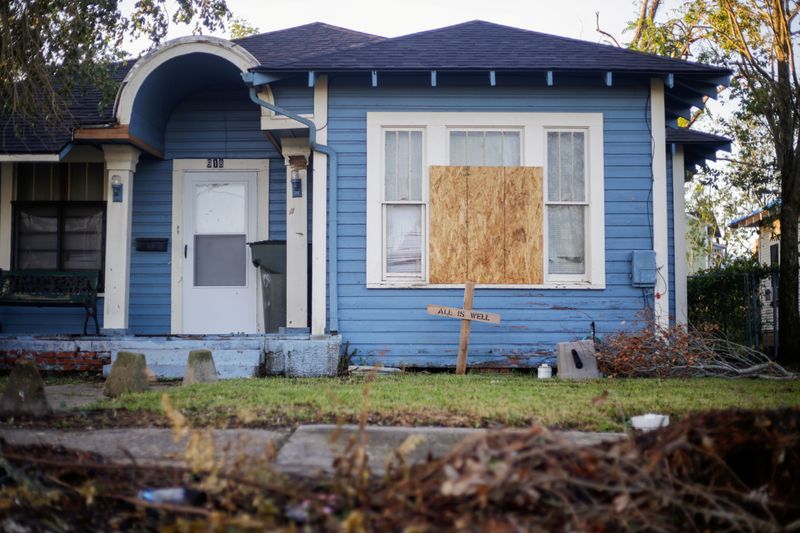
{"x":727,"y":298}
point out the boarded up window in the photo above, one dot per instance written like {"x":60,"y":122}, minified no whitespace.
{"x":486,"y":225}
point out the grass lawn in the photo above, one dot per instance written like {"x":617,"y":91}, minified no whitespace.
{"x":474,"y":400}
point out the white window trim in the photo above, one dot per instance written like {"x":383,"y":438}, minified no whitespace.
{"x":436,"y":152}
{"x":587,"y":252}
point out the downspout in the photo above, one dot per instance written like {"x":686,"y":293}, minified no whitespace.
{"x":333,"y":268}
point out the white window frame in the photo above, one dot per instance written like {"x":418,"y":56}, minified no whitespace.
{"x":405,"y":277}
{"x":436,"y":145}
{"x":567,"y":278}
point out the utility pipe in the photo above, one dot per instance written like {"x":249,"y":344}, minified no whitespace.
{"x":332,"y":190}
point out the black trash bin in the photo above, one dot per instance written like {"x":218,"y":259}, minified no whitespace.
{"x":270,"y":258}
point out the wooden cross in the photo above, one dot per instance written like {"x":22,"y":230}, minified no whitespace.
{"x":467,"y":315}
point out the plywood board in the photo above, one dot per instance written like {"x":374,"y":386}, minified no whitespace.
{"x":524,"y":223}
{"x":447,"y":233}
{"x":485,"y":234}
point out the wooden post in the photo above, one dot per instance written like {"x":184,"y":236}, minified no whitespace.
{"x":463,"y":338}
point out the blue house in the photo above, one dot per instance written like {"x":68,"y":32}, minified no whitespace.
{"x":383,"y":173}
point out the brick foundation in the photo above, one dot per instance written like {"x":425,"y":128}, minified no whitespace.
{"x":58,"y":362}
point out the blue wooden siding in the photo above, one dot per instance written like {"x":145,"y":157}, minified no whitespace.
{"x":671,"y":236}
{"x":213,"y":124}
{"x":392,"y":326}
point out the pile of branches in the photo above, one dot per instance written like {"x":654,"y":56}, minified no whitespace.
{"x":724,"y":471}
{"x":678,"y":351}
{"x":720,"y":471}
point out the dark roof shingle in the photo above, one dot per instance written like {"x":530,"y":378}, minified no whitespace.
{"x":485,"y":45}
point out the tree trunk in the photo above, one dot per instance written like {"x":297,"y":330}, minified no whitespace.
{"x":788,"y":309}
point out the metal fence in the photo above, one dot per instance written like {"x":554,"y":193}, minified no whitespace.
{"x":743,"y":306}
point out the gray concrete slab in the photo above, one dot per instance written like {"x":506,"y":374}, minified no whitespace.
{"x":310,"y":449}
{"x":146,"y":445}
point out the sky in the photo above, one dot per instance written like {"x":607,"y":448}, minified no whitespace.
{"x":390,"y":18}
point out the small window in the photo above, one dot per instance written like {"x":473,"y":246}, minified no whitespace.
{"x":567,"y":204}
{"x":485,"y":148}
{"x":774,"y":255}
{"x":403,"y":204}
{"x":59,"y":217}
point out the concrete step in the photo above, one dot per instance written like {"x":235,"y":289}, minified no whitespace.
{"x":171,"y":363}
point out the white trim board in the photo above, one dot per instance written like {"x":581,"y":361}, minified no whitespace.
{"x":533,"y":126}
{"x":179,"y":166}
{"x":660,"y":229}
{"x":195,"y":44}
{"x":319,"y":213}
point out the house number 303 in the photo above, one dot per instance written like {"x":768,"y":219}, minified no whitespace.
{"x":215,"y":162}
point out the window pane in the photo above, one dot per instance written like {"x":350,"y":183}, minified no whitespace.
{"x":511,"y":151}
{"x":494,"y":149}
{"x":475,"y":148}
{"x":415,"y":166}
{"x":220,"y":261}
{"x":458,"y":148}
{"x":25,"y":181}
{"x":37,"y":238}
{"x":77,"y":181}
{"x":82,"y":247}
{"x":42,"y":190}
{"x":553,"y":165}
{"x":579,"y":178}
{"x":391,"y":166}
{"x":402,"y":165}
{"x":94,"y":179}
{"x":566,"y":166}
{"x":404,"y":239}
{"x":220,"y":208}
{"x":566,"y":239}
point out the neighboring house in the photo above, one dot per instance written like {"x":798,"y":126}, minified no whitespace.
{"x":704,"y":249}
{"x":766,"y":222}
{"x":532,"y":164}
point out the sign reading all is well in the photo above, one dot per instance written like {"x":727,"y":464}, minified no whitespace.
{"x":464,"y":314}
{"x":467,"y":315}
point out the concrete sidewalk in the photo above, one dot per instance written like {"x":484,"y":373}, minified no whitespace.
{"x":308,"y":450}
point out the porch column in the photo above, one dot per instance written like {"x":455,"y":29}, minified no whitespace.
{"x":296,"y":153}
{"x":121,"y":163}
{"x":319,"y":223}
{"x":660,"y":234}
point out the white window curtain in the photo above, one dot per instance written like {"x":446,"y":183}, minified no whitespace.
{"x":567,"y":203}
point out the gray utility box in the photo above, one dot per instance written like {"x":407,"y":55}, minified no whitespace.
{"x":270,"y":259}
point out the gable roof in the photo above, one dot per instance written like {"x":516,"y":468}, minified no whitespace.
{"x":485,"y":45}
{"x":295,"y":44}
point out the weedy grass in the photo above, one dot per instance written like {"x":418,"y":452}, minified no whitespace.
{"x":477,"y":400}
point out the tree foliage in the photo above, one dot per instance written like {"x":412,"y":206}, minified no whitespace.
{"x":51,"y":50}
{"x":757,"y":39}
{"x":241,"y":27}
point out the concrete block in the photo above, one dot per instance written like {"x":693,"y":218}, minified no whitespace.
{"x":576,"y":360}
{"x":200,"y":368}
{"x":304,"y":356}
{"x":24,"y":394}
{"x":127,"y":375}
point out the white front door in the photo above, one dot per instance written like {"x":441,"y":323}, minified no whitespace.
{"x":219,"y":280}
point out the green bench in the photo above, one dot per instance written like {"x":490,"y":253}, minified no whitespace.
{"x":49,"y":288}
